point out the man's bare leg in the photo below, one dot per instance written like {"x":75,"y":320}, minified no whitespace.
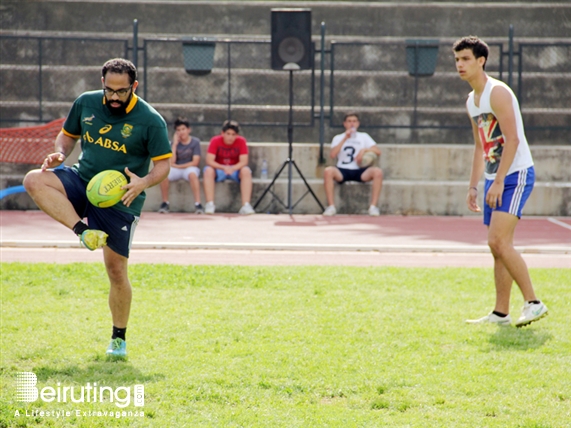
{"x":120,"y":293}
{"x":165,"y":186}
{"x":47,"y":191}
{"x":208,"y":182}
{"x":246,"y":184}
{"x":330,"y":176}
{"x":194,"y":187}
{"x":508,"y":263}
{"x":375,"y":175}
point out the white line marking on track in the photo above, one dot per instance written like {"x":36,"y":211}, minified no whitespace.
{"x":559,"y":223}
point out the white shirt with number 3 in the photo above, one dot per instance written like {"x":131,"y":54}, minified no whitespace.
{"x":350,"y":149}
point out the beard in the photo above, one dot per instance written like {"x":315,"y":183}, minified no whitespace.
{"x":121,"y":109}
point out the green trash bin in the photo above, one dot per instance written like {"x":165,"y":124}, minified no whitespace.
{"x":198,"y":55}
{"x":421,"y":56}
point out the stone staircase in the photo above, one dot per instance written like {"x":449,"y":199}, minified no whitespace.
{"x":370,"y":76}
{"x":427,"y":177}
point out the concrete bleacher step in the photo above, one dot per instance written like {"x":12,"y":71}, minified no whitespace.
{"x":380,"y":92}
{"x":404,"y":18}
{"x":430,"y":162}
{"x":427,"y":179}
{"x":383,"y":98}
{"x":407,"y":197}
{"x":371,"y":77}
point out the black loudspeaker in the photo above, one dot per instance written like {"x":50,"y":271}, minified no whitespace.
{"x":291,"y":38}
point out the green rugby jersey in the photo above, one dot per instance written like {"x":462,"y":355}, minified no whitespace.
{"x":110,"y":141}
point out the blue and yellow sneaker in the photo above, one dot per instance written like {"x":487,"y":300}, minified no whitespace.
{"x":117,"y":348}
{"x":93,"y":239}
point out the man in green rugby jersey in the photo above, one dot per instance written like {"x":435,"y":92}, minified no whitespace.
{"x":118,"y":131}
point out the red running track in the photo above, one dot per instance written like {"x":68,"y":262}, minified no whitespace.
{"x":261,"y":239}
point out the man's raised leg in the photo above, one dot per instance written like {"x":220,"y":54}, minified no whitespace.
{"x":47,"y":191}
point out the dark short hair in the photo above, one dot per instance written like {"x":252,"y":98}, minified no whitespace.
{"x":478,"y":47}
{"x":231,"y":124}
{"x":351,"y":113}
{"x":120,"y":66}
{"x":181,"y":121}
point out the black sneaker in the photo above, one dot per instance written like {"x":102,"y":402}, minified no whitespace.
{"x":198,"y":209}
{"x":164,"y":208}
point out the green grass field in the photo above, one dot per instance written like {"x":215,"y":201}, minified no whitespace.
{"x":288,"y":347}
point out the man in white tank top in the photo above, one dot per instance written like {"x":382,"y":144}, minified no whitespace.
{"x":501,"y":152}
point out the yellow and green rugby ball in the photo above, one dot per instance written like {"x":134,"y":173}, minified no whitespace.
{"x":104,"y":189}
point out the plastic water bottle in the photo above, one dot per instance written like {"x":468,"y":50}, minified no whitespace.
{"x":353,"y":132}
{"x":264,"y":174}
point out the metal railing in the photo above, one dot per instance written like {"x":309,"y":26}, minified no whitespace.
{"x":239,"y":86}
{"x":27,"y":62}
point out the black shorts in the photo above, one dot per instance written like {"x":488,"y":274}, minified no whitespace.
{"x":351,"y":174}
{"x":119,"y":225}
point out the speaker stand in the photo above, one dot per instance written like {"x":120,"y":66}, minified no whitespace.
{"x":289,"y":162}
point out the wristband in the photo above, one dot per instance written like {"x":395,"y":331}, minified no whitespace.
{"x":475,"y":188}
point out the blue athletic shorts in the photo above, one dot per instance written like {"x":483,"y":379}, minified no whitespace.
{"x":517,"y":188}
{"x":221,"y":176}
{"x":351,"y":174}
{"x":119,"y":225}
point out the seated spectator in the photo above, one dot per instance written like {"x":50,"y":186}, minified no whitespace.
{"x":184,"y":164}
{"x":349,"y":148}
{"x":227,"y":159}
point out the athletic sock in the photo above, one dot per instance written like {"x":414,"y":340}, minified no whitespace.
{"x":534,"y":302}
{"x":500,"y":314}
{"x":119,"y":333}
{"x":80,"y":227}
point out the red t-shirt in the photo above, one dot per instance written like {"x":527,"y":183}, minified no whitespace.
{"x":225,"y":154}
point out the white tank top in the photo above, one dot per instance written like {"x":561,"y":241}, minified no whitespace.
{"x":491,"y":135}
